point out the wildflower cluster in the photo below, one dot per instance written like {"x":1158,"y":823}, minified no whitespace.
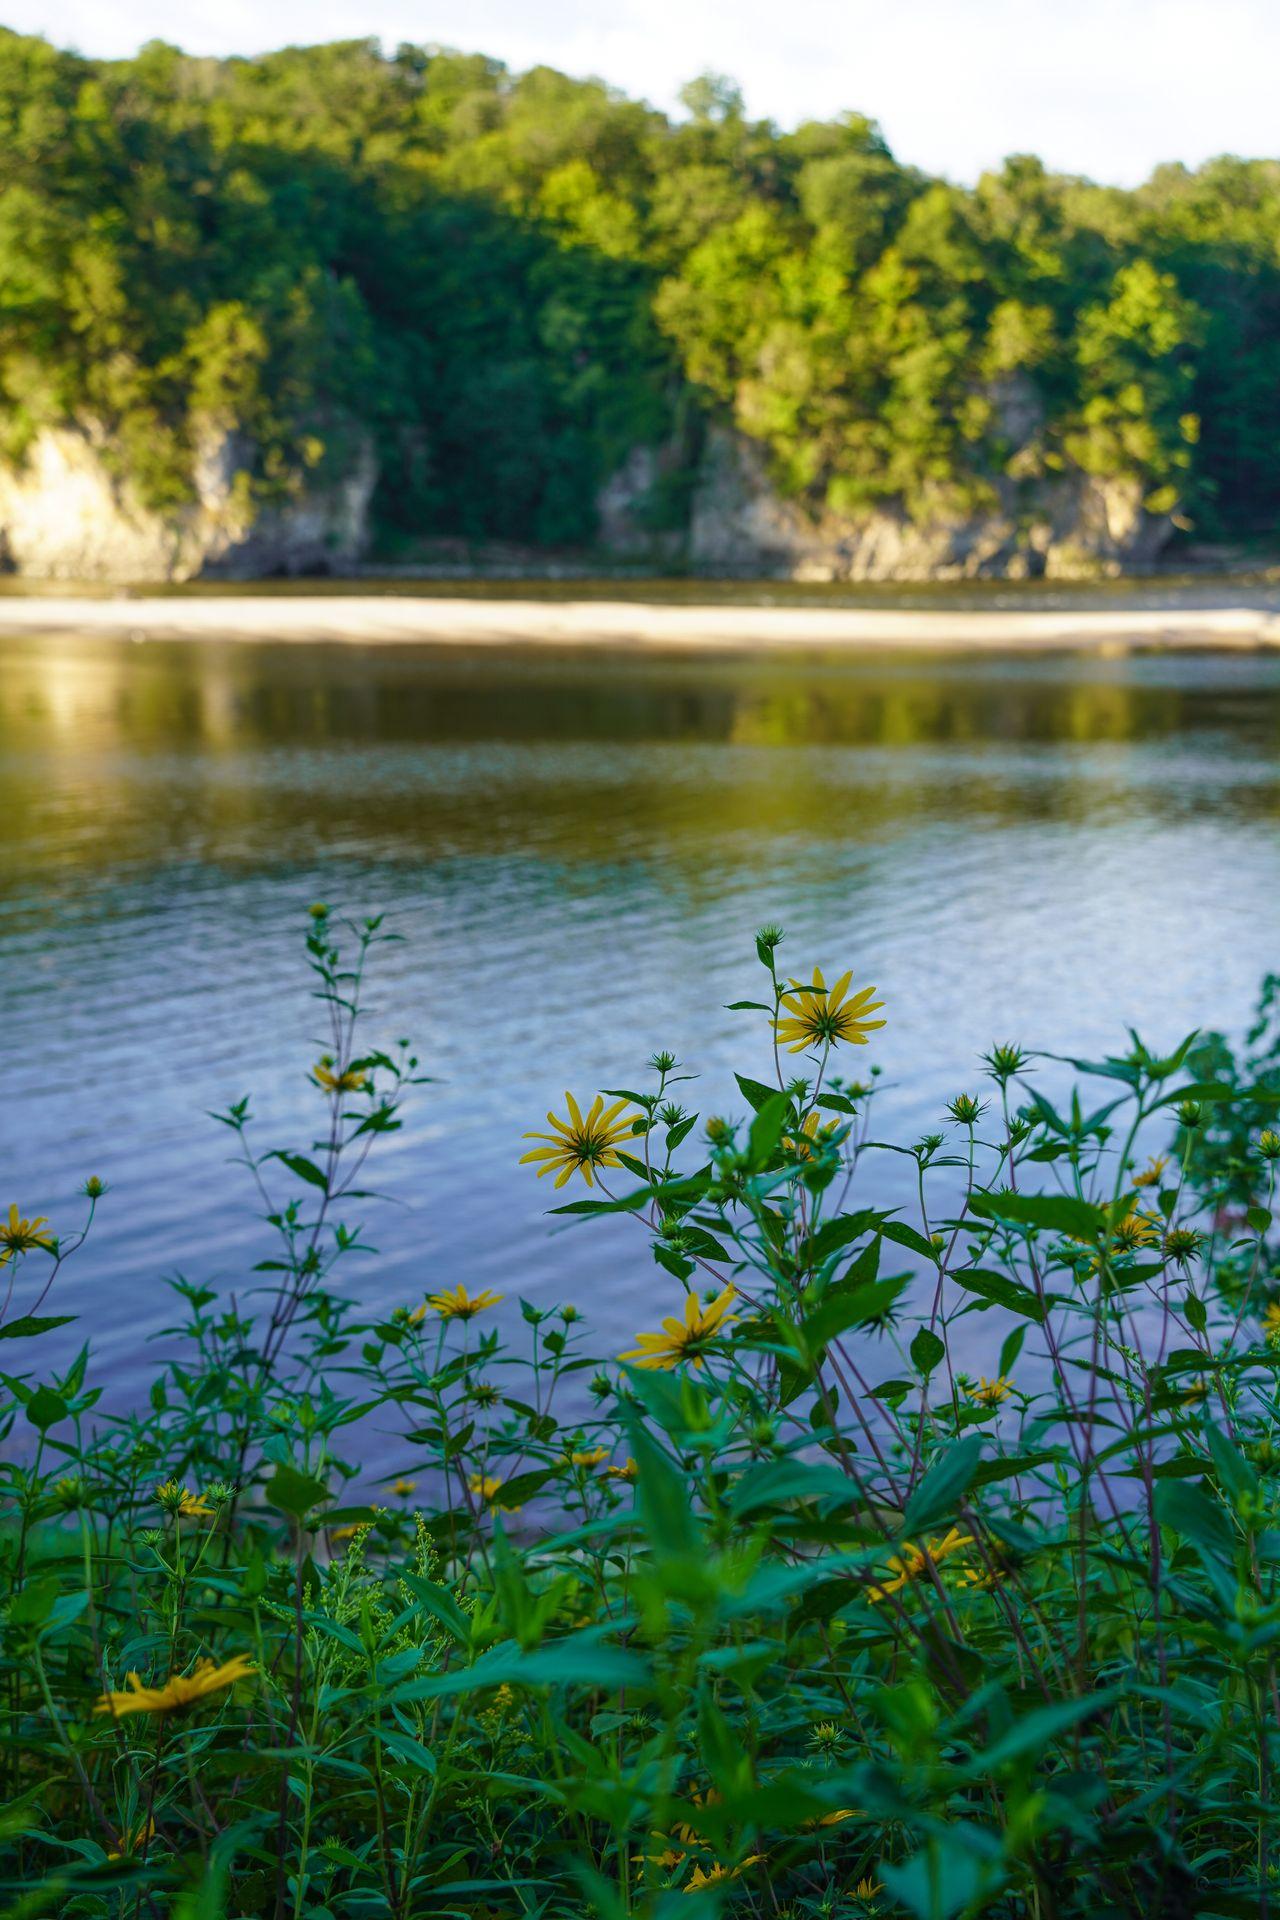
{"x":919,"y":1560}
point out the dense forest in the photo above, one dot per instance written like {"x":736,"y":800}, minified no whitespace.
{"x":510,"y":281}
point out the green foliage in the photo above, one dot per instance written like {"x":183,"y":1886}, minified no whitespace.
{"x":506,"y":282}
{"x":787,"y":1613}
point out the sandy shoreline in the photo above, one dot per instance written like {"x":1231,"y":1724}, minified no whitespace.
{"x":388,"y":619}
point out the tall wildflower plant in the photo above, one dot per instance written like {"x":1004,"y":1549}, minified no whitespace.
{"x":914,"y":1558}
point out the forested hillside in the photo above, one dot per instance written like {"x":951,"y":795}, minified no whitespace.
{"x":505,"y":283}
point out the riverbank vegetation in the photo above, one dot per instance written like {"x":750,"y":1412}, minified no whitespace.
{"x":908,"y":1560}
{"x":506,"y":283}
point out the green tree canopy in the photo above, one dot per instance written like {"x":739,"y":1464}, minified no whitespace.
{"x":510,"y":280}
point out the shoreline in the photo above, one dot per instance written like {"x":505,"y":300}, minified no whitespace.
{"x":396,"y":620}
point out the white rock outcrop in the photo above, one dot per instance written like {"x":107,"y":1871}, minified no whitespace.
{"x":1068,"y":527}
{"x":65,"y":515}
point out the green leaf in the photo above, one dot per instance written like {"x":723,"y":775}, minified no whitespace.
{"x":33,"y":1604}
{"x":677,"y":1402}
{"x":1009,"y":1352}
{"x":27,"y":1325}
{"x":66,"y":1609}
{"x":927,"y":1350}
{"x":678,"y":1265}
{"x":1217,"y":1090}
{"x":842,"y":1307}
{"x":755,"y":1092}
{"x":578,"y":1659}
{"x":1259,"y":1219}
{"x":1056,"y":1212}
{"x":1189,"y":1512}
{"x":305,"y":1169}
{"x":523,"y":1486}
{"x":906,"y":1236}
{"x":832,"y":1235}
{"x":1034,"y":1731}
{"x":662,"y":1499}
{"x":998,"y":1290}
{"x":766,"y":1130}
{"x":1235,"y":1475}
{"x":685,"y":1190}
{"x":295,"y":1493}
{"x":791,"y":1479}
{"x":46,"y":1408}
{"x":406,"y":1749}
{"x":939,"y":1881}
{"x":944,"y":1486}
{"x":440,"y":1604}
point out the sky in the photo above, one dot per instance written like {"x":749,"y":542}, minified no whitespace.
{"x":1106,"y":88}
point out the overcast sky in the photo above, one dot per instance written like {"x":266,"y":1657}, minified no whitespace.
{"x":1102,"y":87}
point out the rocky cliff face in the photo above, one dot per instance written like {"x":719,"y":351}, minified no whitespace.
{"x":1071,"y":527}
{"x":65,"y":516}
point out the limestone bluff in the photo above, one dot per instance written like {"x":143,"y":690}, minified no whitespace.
{"x":68,"y":513}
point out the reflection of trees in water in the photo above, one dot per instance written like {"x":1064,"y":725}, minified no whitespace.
{"x":167,"y":693}
{"x":289,"y":752}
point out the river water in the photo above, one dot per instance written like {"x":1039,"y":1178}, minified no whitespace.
{"x":577,"y":850}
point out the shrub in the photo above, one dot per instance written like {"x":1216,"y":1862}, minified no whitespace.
{"x":782,"y":1611}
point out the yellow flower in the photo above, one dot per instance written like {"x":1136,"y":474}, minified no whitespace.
{"x":627,"y":1471}
{"x":578,"y":1145}
{"x":179,"y":1690}
{"x":131,"y":1843}
{"x":591,"y":1458}
{"x":697,"y":1798}
{"x":982,"y":1579}
{"x":835,"y":1819}
{"x":487,"y":1488}
{"x":866,"y":1889}
{"x":910,"y":1566}
{"x":699,"y":1878}
{"x":404,"y":1488}
{"x":684,"y":1339}
{"x":459,"y":1304}
{"x":1138,"y":1230}
{"x":1271,"y":1324}
{"x":671,"y":1858}
{"x":21,"y":1236}
{"x":351,"y":1081}
{"x":989,"y":1393}
{"x":419,"y":1314}
{"x":175,"y":1498}
{"x":818,"y":1016}
{"x":811,"y":1129}
{"x":1153,"y":1172}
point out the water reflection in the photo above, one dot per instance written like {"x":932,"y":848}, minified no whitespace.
{"x":578,"y":849}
